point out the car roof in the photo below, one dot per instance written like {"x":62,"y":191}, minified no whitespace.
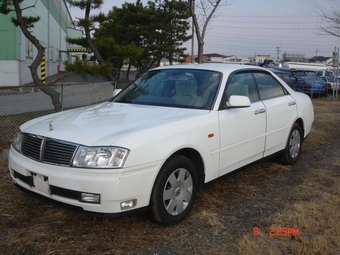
{"x":277,"y":71}
{"x":229,"y":68}
{"x":309,"y":77}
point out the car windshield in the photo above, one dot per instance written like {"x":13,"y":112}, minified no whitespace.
{"x":313,"y":80}
{"x":318,"y":80}
{"x":183,"y":88}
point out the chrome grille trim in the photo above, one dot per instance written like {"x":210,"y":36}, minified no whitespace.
{"x":48,"y":150}
{"x":31,"y":146}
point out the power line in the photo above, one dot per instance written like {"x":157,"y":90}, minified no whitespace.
{"x":265,"y":22}
{"x":267,"y":28}
{"x":265,"y":17}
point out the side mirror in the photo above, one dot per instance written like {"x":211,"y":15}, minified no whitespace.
{"x":238,"y":102}
{"x":116,"y":92}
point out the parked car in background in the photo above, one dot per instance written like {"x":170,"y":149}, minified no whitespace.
{"x":331,"y":80}
{"x":285,"y":76}
{"x":292,"y":72}
{"x":309,"y":85}
{"x":161,"y":139}
{"x":326,"y":85}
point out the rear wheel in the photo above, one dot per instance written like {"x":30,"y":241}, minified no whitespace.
{"x":174,"y":191}
{"x":293,"y":146}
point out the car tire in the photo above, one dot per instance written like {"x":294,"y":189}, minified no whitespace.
{"x":293,"y":146}
{"x":174,"y":191}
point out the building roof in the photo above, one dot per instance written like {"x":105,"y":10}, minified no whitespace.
{"x":213,"y":55}
{"x":319,"y":59}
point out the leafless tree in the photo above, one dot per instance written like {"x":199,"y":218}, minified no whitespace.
{"x":332,"y":19}
{"x":202,"y":13}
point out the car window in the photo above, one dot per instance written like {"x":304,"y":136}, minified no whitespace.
{"x":242,"y":84}
{"x":182,"y":88}
{"x":329,"y":78}
{"x":268,"y":86}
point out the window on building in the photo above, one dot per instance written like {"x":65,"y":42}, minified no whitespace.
{"x":57,"y":55}
{"x":28,"y":49}
{"x":51,"y":53}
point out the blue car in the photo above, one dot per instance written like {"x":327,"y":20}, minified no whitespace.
{"x":310,"y":86}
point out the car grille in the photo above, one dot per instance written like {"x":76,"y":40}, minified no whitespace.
{"x":48,"y":150}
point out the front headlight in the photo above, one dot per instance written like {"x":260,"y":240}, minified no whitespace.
{"x":100,"y":157}
{"x":17,"y":141}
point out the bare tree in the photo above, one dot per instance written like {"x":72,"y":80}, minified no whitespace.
{"x":25,"y":23}
{"x":202,"y":12}
{"x":332,"y":18}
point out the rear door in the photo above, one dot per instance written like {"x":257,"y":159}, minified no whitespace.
{"x":281,"y":111}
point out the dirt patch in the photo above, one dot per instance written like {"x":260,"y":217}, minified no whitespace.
{"x":221,"y":222}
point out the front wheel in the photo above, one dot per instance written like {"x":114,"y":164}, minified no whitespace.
{"x":174,"y":191}
{"x":293,"y":146}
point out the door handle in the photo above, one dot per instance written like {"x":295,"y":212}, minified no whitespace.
{"x":292,"y":103}
{"x":259,"y":111}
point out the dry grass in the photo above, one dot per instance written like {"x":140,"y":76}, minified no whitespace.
{"x":317,"y":215}
{"x":317,"y":219}
{"x":304,"y":196}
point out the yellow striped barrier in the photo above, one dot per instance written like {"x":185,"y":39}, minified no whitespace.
{"x":43,"y":70}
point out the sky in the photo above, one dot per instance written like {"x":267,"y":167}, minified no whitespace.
{"x":262,"y":27}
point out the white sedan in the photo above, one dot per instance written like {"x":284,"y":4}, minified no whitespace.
{"x":157,"y":142}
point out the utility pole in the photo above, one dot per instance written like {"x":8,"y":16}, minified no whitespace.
{"x":316,"y":52}
{"x":278,"y":53}
{"x":192,"y":6}
{"x":336,"y":72}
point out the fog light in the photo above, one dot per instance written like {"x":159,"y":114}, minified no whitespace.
{"x":90,"y":198}
{"x":128,"y":204}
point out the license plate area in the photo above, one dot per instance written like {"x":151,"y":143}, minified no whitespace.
{"x":40,"y":182}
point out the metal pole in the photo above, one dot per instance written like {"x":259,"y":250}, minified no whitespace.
{"x":192,"y":7}
{"x":334,"y":75}
{"x":62,"y":97}
{"x":337,"y":76}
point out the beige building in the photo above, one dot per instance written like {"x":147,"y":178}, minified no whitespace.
{"x":293,"y":57}
{"x":233,"y":59}
{"x":259,"y":59}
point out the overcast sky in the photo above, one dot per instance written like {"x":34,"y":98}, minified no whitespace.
{"x":248,"y":27}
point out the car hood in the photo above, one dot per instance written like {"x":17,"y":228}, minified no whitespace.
{"x":106,"y":123}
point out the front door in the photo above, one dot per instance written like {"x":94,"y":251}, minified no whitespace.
{"x":242,"y":130}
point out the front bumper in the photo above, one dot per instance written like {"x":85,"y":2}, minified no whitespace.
{"x":66,"y":184}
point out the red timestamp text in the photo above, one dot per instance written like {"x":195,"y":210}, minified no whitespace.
{"x":279,"y":231}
